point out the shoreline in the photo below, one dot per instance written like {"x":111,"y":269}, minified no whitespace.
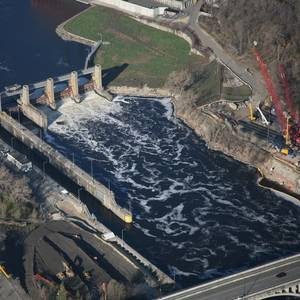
{"x":68,"y":36}
{"x":165,"y":93}
{"x":201,"y":131}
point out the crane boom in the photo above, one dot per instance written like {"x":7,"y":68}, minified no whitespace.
{"x":288,"y":99}
{"x":271,"y":90}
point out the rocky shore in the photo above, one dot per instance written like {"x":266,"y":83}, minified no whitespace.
{"x":221,"y":134}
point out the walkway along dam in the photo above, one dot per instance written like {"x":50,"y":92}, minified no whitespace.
{"x":37,"y":116}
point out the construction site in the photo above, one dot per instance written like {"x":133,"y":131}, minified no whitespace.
{"x":261,"y":132}
{"x":63,"y":253}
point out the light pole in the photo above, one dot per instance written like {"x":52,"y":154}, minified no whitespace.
{"x":19,"y":119}
{"x":12,"y":141}
{"x":78,"y":193}
{"x":44,"y":166}
{"x":92,"y":171}
{"x":122,"y":235}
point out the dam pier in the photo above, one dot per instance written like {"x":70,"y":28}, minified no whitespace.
{"x":36,"y":110}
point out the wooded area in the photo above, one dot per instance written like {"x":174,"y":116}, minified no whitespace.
{"x":16,"y":200}
{"x":274,"y":24}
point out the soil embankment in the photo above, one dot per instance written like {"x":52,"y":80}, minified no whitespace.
{"x":222,"y":135}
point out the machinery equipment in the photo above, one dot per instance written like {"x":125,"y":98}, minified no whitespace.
{"x":251,"y":115}
{"x":288,"y":120}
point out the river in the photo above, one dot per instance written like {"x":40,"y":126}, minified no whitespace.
{"x":30,"y":49}
{"x":198,"y":214}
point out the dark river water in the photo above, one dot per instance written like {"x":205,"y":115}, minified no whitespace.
{"x":30,"y":50}
{"x":198,"y":214}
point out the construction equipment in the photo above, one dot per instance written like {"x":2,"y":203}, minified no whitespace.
{"x":288,"y":98}
{"x":2,"y":270}
{"x":251,"y":115}
{"x":288,"y":123}
{"x":39,"y":277}
{"x":263,"y":117}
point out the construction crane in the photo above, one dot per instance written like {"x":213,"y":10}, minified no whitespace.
{"x":288,"y":124}
{"x":290,"y":103}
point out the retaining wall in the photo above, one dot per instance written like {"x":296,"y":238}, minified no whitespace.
{"x":35,"y":115}
{"x":176,"y":4}
{"x":131,"y":8}
{"x":95,"y":188}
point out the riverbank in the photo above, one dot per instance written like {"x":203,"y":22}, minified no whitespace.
{"x":132,"y":53}
{"x":277,"y":175}
{"x":68,"y":36}
{"x":217,"y":132}
{"x":221,"y":134}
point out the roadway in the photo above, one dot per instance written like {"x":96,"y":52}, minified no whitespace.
{"x":244,"y":284}
{"x":253,"y":79}
{"x":8,"y":291}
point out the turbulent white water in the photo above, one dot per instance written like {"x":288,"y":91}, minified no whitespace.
{"x":199,"y":213}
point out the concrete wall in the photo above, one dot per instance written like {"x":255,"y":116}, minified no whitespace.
{"x":131,"y":8}
{"x":35,"y":115}
{"x":95,"y":188}
{"x":180,"y":5}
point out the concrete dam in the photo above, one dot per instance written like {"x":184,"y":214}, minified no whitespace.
{"x":39,"y":117}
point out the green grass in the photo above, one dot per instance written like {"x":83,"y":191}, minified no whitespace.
{"x":236,"y":93}
{"x":207,"y":83}
{"x":151,"y":54}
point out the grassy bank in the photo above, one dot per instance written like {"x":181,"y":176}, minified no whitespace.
{"x":137,"y":54}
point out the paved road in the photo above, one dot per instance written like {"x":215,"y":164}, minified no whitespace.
{"x":244,"y":284}
{"x":8,"y":290}
{"x":254,"y":80}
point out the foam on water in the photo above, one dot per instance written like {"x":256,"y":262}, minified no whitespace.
{"x":201,"y":212}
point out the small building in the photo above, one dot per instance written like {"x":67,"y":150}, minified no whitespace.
{"x":19,"y":160}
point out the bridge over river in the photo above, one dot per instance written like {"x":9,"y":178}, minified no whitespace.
{"x":278,"y":278}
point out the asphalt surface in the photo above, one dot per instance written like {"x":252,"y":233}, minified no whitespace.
{"x":8,"y":291}
{"x":244,"y":284}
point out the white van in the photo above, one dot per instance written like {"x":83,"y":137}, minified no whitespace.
{"x":108,"y":236}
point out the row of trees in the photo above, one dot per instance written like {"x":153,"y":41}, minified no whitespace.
{"x":16,"y":200}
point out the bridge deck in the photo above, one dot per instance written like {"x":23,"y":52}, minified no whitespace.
{"x":41,"y":84}
{"x":255,"y":283}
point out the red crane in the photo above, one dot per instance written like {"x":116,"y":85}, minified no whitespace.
{"x":290,"y":132}
{"x":272,"y":91}
{"x":288,"y":98}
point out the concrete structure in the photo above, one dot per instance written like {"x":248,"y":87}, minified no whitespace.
{"x":180,"y":5}
{"x":279,"y":278}
{"x":73,"y":85}
{"x":132,"y":8}
{"x":95,"y":188}
{"x":42,"y":84}
{"x":38,"y":117}
{"x":97,"y":78}
{"x":25,"y":95}
{"x":49,"y":92}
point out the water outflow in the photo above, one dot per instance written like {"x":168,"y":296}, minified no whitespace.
{"x":200,"y":214}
